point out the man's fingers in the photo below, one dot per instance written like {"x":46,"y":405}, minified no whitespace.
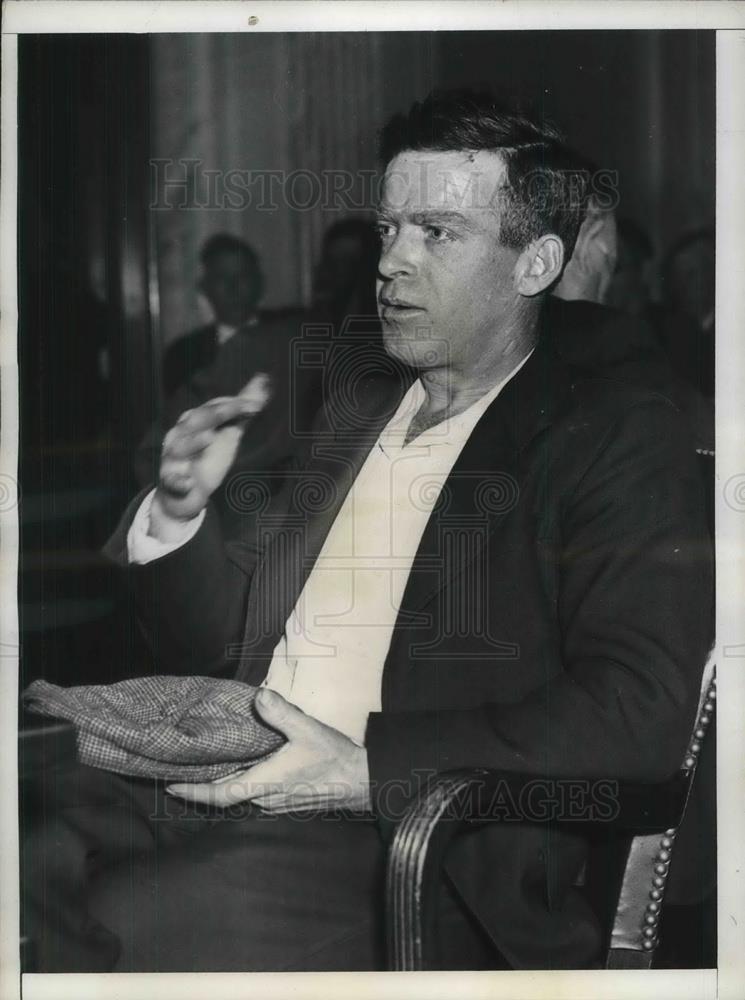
{"x":257,"y":390}
{"x":182,"y":444}
{"x":227,"y":791}
{"x":284,"y":803}
{"x":211,"y":415}
{"x":284,"y":716}
{"x":226,"y":794}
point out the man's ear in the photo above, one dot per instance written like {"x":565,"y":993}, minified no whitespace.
{"x":539,"y":265}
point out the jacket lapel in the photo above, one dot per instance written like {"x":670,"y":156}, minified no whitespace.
{"x":484,"y":484}
{"x":297,"y":526}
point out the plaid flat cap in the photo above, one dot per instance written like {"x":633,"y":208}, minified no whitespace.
{"x":185,"y":728}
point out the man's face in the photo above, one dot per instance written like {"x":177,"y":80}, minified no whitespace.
{"x":446,"y":289}
{"x":232,"y":286}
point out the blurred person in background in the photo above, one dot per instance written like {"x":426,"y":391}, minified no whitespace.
{"x":344,"y":283}
{"x":629,"y":288}
{"x":688,"y":292}
{"x":220,"y":359}
{"x":344,"y":303}
{"x":232,"y":283}
{"x":601,"y":317}
{"x":592,"y":266}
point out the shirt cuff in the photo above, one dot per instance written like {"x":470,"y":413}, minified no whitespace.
{"x":143,"y":548}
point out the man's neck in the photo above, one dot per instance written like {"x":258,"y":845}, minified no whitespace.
{"x":451,"y":390}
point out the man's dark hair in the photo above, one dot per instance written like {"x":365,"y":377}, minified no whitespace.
{"x":222,"y":243}
{"x":547,"y":184}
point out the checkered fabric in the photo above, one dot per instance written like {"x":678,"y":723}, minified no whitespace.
{"x":185,"y":728}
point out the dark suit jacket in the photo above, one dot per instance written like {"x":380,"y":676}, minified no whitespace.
{"x":189,"y":355}
{"x":555,"y":621}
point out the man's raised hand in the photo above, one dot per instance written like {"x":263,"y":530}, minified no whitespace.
{"x":198,"y":452}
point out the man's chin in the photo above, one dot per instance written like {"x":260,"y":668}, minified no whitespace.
{"x":413,"y":348}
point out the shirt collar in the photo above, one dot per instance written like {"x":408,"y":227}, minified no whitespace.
{"x":226,"y":330}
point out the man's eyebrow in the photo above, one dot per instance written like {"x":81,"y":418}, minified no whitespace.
{"x":430,"y":216}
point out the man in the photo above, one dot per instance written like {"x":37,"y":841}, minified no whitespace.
{"x":232,"y":282}
{"x":344,"y":283}
{"x":219,"y":359}
{"x":594,"y":329}
{"x":686,"y":319}
{"x":507,"y":568}
{"x":630,"y":288}
{"x":588,"y":274}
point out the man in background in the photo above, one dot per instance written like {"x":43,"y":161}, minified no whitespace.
{"x":630,"y":287}
{"x":233,"y":284}
{"x":220,"y":359}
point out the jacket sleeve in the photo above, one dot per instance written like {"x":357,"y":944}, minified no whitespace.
{"x":634,"y":609}
{"x":191,"y":602}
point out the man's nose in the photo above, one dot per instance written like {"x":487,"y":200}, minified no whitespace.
{"x":398,"y":257}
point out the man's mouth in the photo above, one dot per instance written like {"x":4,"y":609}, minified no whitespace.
{"x":398,"y":308}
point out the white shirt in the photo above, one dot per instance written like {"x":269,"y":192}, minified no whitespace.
{"x":329,"y":660}
{"x":225,"y":330}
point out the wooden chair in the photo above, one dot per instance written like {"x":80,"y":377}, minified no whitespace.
{"x":641,"y":838}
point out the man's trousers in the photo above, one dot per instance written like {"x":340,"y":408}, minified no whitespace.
{"x":118,"y":876}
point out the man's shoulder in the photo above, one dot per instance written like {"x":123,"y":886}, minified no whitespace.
{"x":606,"y":361}
{"x":610,"y":396}
{"x":591,"y":335}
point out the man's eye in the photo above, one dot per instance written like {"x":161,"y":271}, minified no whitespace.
{"x":384,"y":230}
{"x":438,"y":234}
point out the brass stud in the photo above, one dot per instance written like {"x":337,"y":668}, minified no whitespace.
{"x":653,"y":907}
{"x":709,"y":705}
{"x":695,"y":748}
{"x":704,"y":720}
{"x":664,"y":855}
{"x":712,"y":695}
{"x":656,"y":894}
{"x":648,"y":945}
{"x":648,"y":932}
{"x":658,"y":881}
{"x":671,"y":832}
{"x":660,"y":869}
{"x":700,"y":733}
{"x":650,"y":919}
{"x":666,"y":842}
{"x":689,"y":762}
